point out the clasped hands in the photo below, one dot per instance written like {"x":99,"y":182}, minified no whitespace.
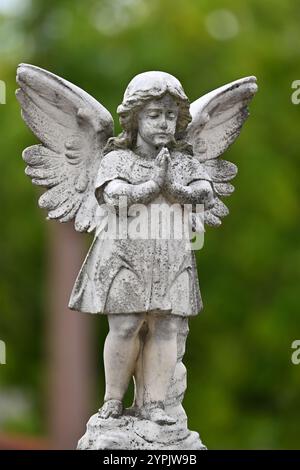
{"x":198,"y":192}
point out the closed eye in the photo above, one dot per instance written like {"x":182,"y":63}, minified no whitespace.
{"x":171,"y":115}
{"x":153,"y":115}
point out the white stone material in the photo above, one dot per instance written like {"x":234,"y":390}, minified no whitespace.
{"x":167,"y":157}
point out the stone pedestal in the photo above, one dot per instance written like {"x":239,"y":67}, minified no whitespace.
{"x":131,"y":433}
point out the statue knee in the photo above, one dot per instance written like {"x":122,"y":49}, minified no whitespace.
{"x":126,"y":326}
{"x":164,"y":327}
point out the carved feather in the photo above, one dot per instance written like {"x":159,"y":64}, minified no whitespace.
{"x":217,"y":120}
{"x":73,"y":128}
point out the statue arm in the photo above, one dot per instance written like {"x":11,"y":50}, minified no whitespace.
{"x":142,"y":193}
{"x":197,"y":192}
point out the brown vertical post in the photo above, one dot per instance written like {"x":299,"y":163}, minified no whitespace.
{"x":69,"y":340}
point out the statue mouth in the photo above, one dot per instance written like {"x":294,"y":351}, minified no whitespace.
{"x":163,"y":135}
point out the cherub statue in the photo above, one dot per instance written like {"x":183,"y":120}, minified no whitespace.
{"x":168,"y":152}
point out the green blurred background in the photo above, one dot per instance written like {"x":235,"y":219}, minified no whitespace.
{"x":243,"y":390}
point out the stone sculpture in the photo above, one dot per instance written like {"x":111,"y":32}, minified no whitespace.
{"x":168,"y":154}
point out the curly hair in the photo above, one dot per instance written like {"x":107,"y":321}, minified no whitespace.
{"x":143,"y":88}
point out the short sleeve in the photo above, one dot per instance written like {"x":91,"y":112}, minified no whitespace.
{"x":114,"y":165}
{"x":197,"y":171}
{"x":187,"y":169}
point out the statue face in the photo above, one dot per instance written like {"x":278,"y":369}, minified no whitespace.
{"x":157,"y":121}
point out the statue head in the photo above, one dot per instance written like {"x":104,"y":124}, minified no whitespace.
{"x":145,"y":92}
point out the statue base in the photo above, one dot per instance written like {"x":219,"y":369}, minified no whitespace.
{"x":134,"y":433}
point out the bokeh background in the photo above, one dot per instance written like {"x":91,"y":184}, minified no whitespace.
{"x":243,"y":390}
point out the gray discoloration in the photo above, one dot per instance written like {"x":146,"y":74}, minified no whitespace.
{"x":129,"y":433}
{"x":73,"y":128}
{"x":168,"y":153}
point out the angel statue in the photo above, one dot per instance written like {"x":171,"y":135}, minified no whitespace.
{"x":168,"y":153}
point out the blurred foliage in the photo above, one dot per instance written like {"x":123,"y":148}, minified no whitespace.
{"x":243,"y":389}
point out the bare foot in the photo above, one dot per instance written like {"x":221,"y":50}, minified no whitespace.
{"x":155,"y":412}
{"x":111,"y":409}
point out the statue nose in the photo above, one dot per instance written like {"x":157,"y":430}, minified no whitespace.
{"x":164,"y":124}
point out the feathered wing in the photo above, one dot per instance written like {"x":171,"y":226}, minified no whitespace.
{"x":217,"y":120}
{"x":73,"y":128}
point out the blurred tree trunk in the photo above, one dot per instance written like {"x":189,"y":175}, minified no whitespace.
{"x":69,"y":340}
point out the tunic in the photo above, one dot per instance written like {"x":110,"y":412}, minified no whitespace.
{"x":129,"y":275}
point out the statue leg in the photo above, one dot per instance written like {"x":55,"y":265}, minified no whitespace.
{"x":121,"y":351}
{"x":159,"y":361}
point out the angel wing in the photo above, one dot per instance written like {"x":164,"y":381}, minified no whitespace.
{"x":73,"y":128}
{"x":217,"y":120}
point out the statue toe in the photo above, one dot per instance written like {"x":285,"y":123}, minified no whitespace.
{"x":111,"y":409}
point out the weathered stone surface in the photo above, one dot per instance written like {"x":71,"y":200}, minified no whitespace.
{"x":167,"y":155}
{"x":129,"y":433}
